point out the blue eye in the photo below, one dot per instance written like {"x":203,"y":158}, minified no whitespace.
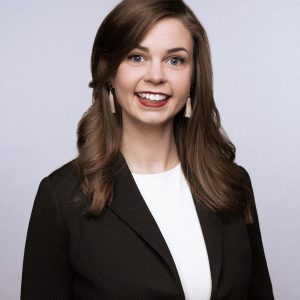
{"x":176,"y":61}
{"x":135,"y":58}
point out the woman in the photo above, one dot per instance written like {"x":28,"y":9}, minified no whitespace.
{"x":154,"y":206}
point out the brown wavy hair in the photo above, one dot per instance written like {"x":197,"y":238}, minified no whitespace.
{"x":206,"y":153}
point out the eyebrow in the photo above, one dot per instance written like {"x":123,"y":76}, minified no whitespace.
{"x":168,"y":51}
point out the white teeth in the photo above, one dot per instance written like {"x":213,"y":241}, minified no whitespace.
{"x":153,"y":97}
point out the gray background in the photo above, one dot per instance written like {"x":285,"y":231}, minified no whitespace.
{"x":45,"y":52}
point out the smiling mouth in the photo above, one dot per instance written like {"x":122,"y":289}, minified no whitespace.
{"x":152,"y":100}
{"x":157,"y":97}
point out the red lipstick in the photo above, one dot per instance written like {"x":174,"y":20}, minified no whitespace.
{"x":149,"y":103}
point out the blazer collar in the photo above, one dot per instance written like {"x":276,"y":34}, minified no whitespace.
{"x":130,"y":206}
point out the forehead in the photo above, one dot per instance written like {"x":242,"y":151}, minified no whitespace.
{"x":168,"y":33}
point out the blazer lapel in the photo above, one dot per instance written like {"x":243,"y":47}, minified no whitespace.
{"x":130,"y":206}
{"x":211,"y":225}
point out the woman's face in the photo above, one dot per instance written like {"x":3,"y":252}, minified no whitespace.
{"x":153,"y":82}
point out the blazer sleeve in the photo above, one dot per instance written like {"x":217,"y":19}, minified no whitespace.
{"x":46,"y":270}
{"x":260,"y":282}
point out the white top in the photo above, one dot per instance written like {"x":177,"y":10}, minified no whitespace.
{"x":170,"y":201}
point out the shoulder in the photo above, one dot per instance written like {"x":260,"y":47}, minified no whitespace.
{"x":64,"y":185}
{"x":243,"y":175}
{"x":64,"y":176}
{"x":244,"y":171}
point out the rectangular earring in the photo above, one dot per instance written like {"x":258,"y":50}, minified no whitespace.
{"x":111,"y":99}
{"x":188,"y":108}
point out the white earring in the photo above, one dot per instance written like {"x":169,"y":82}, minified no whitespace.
{"x":188,"y":108}
{"x":111,"y":99}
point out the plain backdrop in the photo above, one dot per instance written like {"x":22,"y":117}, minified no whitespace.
{"x":45,"y":52}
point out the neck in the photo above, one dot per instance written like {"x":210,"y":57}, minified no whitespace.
{"x":149,"y":149}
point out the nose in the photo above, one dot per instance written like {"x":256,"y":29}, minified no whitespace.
{"x":155,"y":73}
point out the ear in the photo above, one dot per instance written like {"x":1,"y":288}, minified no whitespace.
{"x":109,"y":84}
{"x":111,"y":80}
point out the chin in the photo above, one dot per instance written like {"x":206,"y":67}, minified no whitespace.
{"x":156,"y":121}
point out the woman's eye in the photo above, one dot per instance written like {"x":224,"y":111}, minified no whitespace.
{"x":136,"y":58}
{"x":176,"y":61}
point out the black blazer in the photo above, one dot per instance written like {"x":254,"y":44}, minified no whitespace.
{"x":122,"y":254}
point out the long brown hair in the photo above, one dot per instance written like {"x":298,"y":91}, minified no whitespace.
{"x":206,"y":153}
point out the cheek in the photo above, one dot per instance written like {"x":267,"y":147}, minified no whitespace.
{"x":124,"y":83}
{"x":126,"y":78}
{"x":181,"y":83}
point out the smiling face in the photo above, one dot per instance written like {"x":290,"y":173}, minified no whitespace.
{"x":153,"y":82}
